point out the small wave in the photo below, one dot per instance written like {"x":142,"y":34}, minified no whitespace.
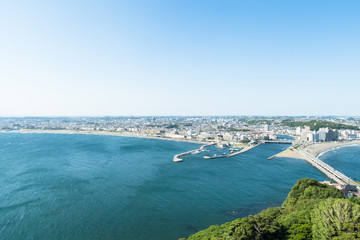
{"x":23,"y":188}
{"x":336,"y":148}
{"x":13,"y":206}
{"x":31,"y":172}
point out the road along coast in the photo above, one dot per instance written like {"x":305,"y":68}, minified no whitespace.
{"x":315,"y":149}
{"x":318,"y":148}
{"x":311,"y":152}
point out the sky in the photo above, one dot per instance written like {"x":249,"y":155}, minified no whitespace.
{"x":180,"y":57}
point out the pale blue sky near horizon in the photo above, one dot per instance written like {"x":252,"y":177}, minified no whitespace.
{"x":77,"y":58}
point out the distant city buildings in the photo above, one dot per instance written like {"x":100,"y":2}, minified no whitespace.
{"x":237,"y":129}
{"x":325,"y":134}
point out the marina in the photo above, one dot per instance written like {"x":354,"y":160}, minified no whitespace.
{"x":177,"y":158}
{"x":329,"y":171}
{"x":215,"y":156}
{"x":244,"y":150}
{"x":249,"y":148}
{"x":233,"y":154}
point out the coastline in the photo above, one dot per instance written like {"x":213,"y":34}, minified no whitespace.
{"x":106,"y":133}
{"x":288,"y":153}
{"x":317,"y":149}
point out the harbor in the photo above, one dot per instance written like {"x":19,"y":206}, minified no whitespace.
{"x":244,"y":150}
{"x":235,"y":153}
{"x":177,"y":158}
{"x":294,"y":152}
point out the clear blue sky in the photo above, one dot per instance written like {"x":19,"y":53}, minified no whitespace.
{"x":185,"y":57}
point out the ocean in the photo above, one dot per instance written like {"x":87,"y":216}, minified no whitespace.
{"x":345,"y":159}
{"x":74,"y":186}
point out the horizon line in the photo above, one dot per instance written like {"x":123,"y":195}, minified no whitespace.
{"x":220,"y":115}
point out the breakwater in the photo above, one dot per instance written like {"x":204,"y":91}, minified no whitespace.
{"x":177,"y":157}
{"x":233,"y":154}
{"x":244,"y":150}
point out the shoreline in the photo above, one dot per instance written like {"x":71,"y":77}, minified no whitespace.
{"x":317,"y":149}
{"x":104,"y":133}
{"x":339,"y":147}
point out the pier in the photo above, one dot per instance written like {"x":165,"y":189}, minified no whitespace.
{"x":234,"y":154}
{"x":202,"y":148}
{"x":244,"y":150}
{"x":326,"y":169}
{"x":220,"y":156}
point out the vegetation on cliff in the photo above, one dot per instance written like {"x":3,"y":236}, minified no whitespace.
{"x":311,"y":211}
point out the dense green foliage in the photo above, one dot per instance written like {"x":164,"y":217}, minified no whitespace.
{"x":310,"y":189}
{"x":317,"y":124}
{"x":258,"y":122}
{"x":311,"y":211}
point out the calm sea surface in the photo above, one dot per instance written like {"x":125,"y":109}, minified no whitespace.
{"x":69,"y":186}
{"x":344,"y":159}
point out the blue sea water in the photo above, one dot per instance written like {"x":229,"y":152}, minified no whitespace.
{"x":73,"y":186}
{"x":345,"y":159}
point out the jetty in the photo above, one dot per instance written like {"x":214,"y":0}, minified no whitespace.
{"x":220,"y":156}
{"x":234,"y":154}
{"x":244,"y":150}
{"x":177,"y":157}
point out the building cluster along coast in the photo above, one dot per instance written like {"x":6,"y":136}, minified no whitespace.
{"x":210,"y":152}
{"x":309,"y":135}
{"x":227,"y":129}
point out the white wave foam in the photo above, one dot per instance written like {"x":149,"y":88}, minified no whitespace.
{"x":335,"y":148}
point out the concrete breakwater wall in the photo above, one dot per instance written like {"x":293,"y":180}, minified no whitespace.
{"x":177,"y":158}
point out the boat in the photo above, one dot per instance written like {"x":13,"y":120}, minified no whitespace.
{"x":177,"y":159}
{"x":215,"y":156}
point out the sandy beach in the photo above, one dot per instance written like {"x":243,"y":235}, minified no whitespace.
{"x":109,"y":133}
{"x":316,"y":149}
{"x":288,"y":153}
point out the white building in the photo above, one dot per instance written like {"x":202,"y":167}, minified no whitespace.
{"x":298,"y":131}
{"x":266,"y":128}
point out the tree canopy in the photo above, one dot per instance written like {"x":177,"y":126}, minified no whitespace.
{"x":317,"y":124}
{"x":311,"y":211}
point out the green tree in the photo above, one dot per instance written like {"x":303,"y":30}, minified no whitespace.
{"x":307,"y":188}
{"x":336,"y":218}
{"x":311,"y":211}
